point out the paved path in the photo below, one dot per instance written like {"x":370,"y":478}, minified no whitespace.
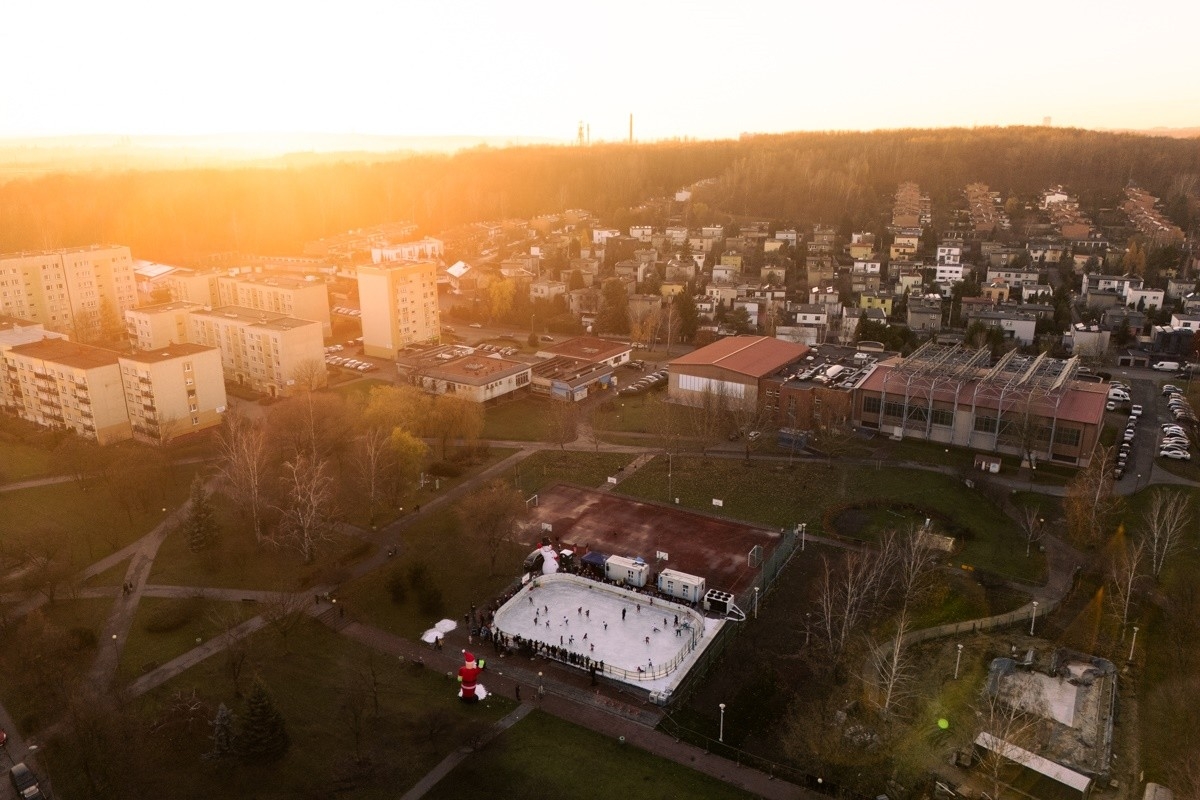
{"x":594,"y":709}
{"x":458,"y":756}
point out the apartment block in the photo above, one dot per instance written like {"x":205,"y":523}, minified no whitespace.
{"x":266,"y":352}
{"x":161,"y":325}
{"x":15,"y":332}
{"x":194,"y":286}
{"x":76,"y":291}
{"x":399,"y":305}
{"x":62,"y":384}
{"x":302,"y":298}
{"x":172,"y":391}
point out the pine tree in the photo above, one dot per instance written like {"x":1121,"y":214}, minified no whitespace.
{"x":223,"y":736}
{"x":263,"y":736}
{"x":200,"y":526}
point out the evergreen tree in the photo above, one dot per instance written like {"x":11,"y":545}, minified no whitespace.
{"x":200,"y":526}
{"x":223,"y":736}
{"x":263,"y":736}
{"x":689,"y":318}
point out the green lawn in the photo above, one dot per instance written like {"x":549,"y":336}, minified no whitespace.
{"x":545,"y":757}
{"x":84,"y":526}
{"x":20,"y":462}
{"x":205,"y":619}
{"x":420,"y":721}
{"x":547,"y":467}
{"x":637,"y":414}
{"x":358,"y":387}
{"x":525,"y":419}
{"x":456,"y":570}
{"x":238,"y":562}
{"x":780,"y":496}
{"x":113,"y":576}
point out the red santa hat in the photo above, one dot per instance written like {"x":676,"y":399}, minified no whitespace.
{"x":467,"y":657}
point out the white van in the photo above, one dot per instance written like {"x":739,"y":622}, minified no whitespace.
{"x":1118,"y":394}
{"x":1166,"y":366}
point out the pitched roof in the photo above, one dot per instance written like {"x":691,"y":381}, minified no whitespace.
{"x":754,"y":356}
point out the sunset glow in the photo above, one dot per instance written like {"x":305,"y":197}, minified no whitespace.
{"x":701,"y":69}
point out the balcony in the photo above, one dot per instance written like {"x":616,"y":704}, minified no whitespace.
{"x":83,"y":399}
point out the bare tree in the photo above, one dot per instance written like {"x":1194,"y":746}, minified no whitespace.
{"x":373,"y":461}
{"x":309,"y":375}
{"x":1091,"y":505}
{"x":243,"y":465}
{"x":709,"y":416}
{"x":892,"y":668}
{"x":1125,"y":571}
{"x":308,"y":515}
{"x":1032,"y":525}
{"x":564,"y":422}
{"x":1169,"y":515}
{"x":284,"y":611}
{"x":843,"y":600}
{"x":493,"y":515}
{"x":236,"y":641}
{"x":1012,"y":717}
{"x":913,"y":565}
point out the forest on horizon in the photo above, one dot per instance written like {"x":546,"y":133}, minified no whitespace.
{"x":180,"y":215}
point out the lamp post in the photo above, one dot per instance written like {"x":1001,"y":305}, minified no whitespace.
{"x":721,"y":730}
{"x":1132,"y":643}
{"x":803,"y":531}
{"x":807,"y":627}
{"x":957,"y":661}
{"x":756,"y":602}
{"x":1033,"y":619}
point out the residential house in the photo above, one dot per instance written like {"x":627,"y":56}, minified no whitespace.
{"x":546,"y":290}
{"x":1017,"y":325}
{"x":924,"y":315}
{"x":880,"y":300}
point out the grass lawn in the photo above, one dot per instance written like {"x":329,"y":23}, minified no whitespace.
{"x":523,"y":761}
{"x":636,"y":414}
{"x":525,"y":419}
{"x":547,"y":467}
{"x":356,"y":387}
{"x":20,"y":462}
{"x":238,"y":562}
{"x":455,"y":578}
{"x":1184,"y":469}
{"x":780,"y":496}
{"x":85,"y":526}
{"x":113,"y":576}
{"x":197,"y":618}
{"x":420,"y":721}
{"x":81,"y":621}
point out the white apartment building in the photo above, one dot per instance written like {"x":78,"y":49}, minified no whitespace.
{"x":159,"y":325}
{"x":264,"y":352}
{"x":425,"y":249}
{"x":399,"y":306}
{"x":949,"y":255}
{"x":948,"y":273}
{"x":173,"y":391}
{"x":302,"y":298}
{"x":1014,"y":277}
{"x":77,"y":291}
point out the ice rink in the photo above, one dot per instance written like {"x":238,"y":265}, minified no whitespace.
{"x":625,"y":630}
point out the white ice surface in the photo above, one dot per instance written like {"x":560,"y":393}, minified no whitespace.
{"x":623,"y":644}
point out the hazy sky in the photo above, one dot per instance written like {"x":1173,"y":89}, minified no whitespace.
{"x":701,"y":69}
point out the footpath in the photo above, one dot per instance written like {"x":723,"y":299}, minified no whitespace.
{"x":596,"y":710}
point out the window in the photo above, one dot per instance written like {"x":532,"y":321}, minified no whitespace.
{"x":195,"y":420}
{"x":1067,"y":436}
{"x":943,"y":416}
{"x":985,"y":424}
{"x":871,"y":405}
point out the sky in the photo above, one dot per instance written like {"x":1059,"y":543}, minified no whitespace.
{"x":697,"y":69}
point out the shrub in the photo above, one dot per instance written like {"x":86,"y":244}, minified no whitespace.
{"x":172,"y":615}
{"x":82,"y":638}
{"x":418,"y":575}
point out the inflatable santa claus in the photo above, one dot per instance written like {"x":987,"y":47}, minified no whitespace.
{"x":470,"y":690}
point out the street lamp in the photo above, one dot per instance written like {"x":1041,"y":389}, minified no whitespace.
{"x":1132,"y":643}
{"x":756,"y":602}
{"x":957,"y":661}
{"x":1033,"y":619}
{"x":721,"y":730}
{"x":807,"y":628}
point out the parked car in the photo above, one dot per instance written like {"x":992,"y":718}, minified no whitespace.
{"x":1111,"y":405}
{"x":546,"y":338}
{"x":476,"y":325}
{"x":1136,"y":411}
{"x":1170,"y":388}
{"x":1175,"y":453}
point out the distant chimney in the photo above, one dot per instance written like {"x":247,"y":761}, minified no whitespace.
{"x":631,"y":127}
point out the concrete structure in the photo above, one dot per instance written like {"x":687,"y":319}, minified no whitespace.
{"x":78,"y":291}
{"x":267,"y":353}
{"x":571,"y":379}
{"x":731,"y":368}
{"x":173,"y":391}
{"x":14,"y":332}
{"x":399,"y":306}
{"x":195,"y":286}
{"x":61,"y":384}
{"x":302,"y":298}
{"x":475,"y":377}
{"x":161,"y":325}
{"x":1024,"y":405}
{"x":425,"y":249}
{"x":589,"y":348}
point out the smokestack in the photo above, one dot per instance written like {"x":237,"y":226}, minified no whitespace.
{"x":631,"y":127}
{"x":589,"y":133}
